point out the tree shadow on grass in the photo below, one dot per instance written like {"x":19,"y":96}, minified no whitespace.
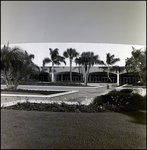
{"x":139,"y":117}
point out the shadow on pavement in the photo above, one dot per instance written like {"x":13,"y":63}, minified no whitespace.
{"x":139,"y":117}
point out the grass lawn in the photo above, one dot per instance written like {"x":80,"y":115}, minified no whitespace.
{"x":60,"y":130}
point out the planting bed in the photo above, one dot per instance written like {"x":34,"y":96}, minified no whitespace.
{"x":55,"y":107}
{"x":25,"y":91}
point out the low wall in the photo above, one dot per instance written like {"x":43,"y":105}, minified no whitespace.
{"x":7,"y":98}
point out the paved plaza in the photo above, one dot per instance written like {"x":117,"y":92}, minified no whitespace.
{"x":84,"y":93}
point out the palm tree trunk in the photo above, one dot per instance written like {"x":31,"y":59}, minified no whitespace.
{"x":86,"y":76}
{"x":15,"y":84}
{"x":53,"y":77}
{"x":70,"y":70}
{"x":8,"y":80}
{"x":5,"y":78}
{"x":108,"y":74}
{"x":7,"y":83}
{"x":85,"y":80}
{"x":79,"y":73}
{"x":16,"y":81}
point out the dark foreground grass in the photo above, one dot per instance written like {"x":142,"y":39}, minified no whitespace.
{"x":62,"y":130}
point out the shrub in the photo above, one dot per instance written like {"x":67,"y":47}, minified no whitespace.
{"x":143,"y":103}
{"x":139,"y":84}
{"x":98,"y":101}
{"x":123,"y":100}
{"x":112,"y":97}
{"x":126,"y":90}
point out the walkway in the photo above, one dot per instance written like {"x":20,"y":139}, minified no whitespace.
{"x":85,"y":93}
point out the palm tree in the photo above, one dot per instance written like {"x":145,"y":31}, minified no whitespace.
{"x":70,"y":53}
{"x":78,"y":62}
{"x":55,"y":59}
{"x":30,"y":67}
{"x":110,"y":60}
{"x":16,"y":64}
{"x":86,"y":60}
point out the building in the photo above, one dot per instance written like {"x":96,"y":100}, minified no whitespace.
{"x":96,"y":75}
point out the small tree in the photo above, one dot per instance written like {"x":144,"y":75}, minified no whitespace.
{"x":16,"y":64}
{"x":110,"y":60}
{"x":70,"y":53}
{"x":137,"y":63}
{"x":86,"y":60}
{"x":55,"y":59}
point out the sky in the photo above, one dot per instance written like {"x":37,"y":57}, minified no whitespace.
{"x":98,"y":26}
{"x":117,"y":22}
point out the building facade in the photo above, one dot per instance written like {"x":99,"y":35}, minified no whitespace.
{"x":96,"y":75}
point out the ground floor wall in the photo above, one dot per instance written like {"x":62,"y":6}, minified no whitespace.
{"x":96,"y":77}
{"x":91,"y":78}
{"x":128,"y":78}
{"x":100,"y":77}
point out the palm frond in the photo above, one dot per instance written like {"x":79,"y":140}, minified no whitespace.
{"x":110,"y":60}
{"x":100,"y":62}
{"x":115,"y":68}
{"x":70,"y":53}
{"x":54,"y":53}
{"x":46,"y":60}
{"x":65,"y":54}
{"x":114,"y":61}
{"x":61,"y":59}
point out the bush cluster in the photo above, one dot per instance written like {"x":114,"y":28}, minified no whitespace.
{"x":55,"y":107}
{"x":124,"y":100}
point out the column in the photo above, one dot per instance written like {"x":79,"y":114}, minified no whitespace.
{"x":61,"y":77}
{"x":117,"y":77}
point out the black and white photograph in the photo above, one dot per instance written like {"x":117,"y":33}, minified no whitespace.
{"x":73,"y":74}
